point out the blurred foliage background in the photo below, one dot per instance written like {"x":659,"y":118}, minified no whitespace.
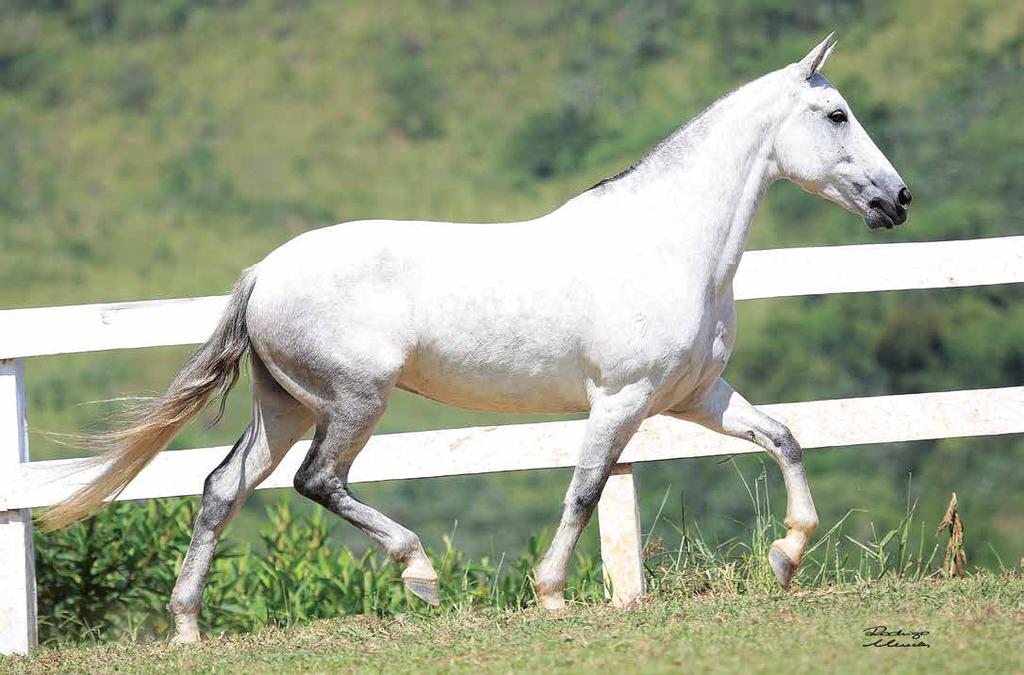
{"x":152,"y":150}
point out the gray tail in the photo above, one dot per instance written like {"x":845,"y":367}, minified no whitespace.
{"x":146,"y":430}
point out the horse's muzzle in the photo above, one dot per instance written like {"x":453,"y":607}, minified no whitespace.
{"x":887,"y":213}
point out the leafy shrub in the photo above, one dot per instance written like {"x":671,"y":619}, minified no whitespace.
{"x":104,"y":578}
{"x":193,"y":176}
{"x":553,"y":142}
{"x":22,"y":66}
{"x":413,"y":96}
{"x":110,"y":577}
{"x":135,"y":86}
{"x":10,"y":165}
{"x":98,"y":19}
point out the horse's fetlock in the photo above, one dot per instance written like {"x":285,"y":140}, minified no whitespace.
{"x":809,"y":525}
{"x":181,"y":607}
{"x":549,"y":585}
{"x":548,"y":581}
{"x":804,"y":525}
{"x":405,"y":547}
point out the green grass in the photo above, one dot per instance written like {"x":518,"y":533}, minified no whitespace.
{"x":974,"y":625}
{"x":108,"y":579}
{"x":305,"y":604}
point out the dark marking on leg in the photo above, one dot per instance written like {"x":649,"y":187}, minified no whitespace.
{"x":790,"y":450}
{"x":587,"y":493}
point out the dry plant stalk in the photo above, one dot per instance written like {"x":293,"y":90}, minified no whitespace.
{"x":955,"y":560}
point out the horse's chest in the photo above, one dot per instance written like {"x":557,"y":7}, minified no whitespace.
{"x":699,"y":358}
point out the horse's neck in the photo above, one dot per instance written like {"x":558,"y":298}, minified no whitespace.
{"x":699,"y":190}
{"x":728,"y":182}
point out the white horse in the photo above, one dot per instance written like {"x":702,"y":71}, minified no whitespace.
{"x":619,"y":304}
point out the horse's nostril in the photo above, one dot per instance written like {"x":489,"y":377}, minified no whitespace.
{"x":905,"y":197}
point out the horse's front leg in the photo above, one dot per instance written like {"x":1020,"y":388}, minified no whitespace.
{"x":613,"y":419}
{"x":725,"y":411}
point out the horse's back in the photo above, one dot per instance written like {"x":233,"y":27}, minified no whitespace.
{"x":482,"y":316}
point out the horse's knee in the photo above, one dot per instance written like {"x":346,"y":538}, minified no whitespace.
{"x":584,"y":494}
{"x":582,"y":503}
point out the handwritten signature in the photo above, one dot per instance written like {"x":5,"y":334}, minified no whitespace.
{"x":895,"y":637}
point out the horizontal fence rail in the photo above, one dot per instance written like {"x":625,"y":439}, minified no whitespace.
{"x":46,"y":331}
{"x":552,"y":445}
{"x":775,"y":273}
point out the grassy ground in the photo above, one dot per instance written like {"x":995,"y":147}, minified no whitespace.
{"x":974,"y":625}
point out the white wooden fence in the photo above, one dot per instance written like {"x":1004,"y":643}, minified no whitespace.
{"x":26,"y":485}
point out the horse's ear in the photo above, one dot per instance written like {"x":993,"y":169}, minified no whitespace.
{"x":815,"y":59}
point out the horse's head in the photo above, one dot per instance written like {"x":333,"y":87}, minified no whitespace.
{"x":822,"y":147}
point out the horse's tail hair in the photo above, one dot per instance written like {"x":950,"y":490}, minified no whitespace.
{"x":149,"y":426}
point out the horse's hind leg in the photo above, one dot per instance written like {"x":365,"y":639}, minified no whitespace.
{"x":344,"y":425}
{"x":727,"y":412}
{"x":278,"y":420}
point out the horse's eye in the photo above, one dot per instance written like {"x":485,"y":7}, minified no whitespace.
{"x":837,"y":116}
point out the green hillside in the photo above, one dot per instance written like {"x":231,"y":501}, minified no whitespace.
{"x":152,"y":150}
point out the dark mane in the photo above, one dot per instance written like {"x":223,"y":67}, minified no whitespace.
{"x":622,"y":174}
{"x":682,"y":138}
{"x":636,"y":165}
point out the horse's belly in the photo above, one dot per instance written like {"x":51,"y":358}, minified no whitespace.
{"x":497,"y":380}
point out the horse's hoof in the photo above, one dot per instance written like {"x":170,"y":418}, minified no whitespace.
{"x":185,"y":637}
{"x":424,"y":589}
{"x":552,"y":602}
{"x":783,"y":567}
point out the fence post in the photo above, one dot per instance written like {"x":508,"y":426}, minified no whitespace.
{"x":17,"y":556}
{"x":618,"y":516}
